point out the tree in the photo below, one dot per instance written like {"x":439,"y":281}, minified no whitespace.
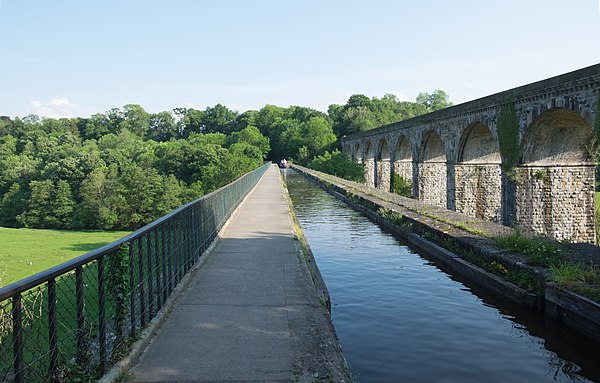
{"x":317,"y":136}
{"x":338,"y":164}
{"x":135,"y":119}
{"x":252,"y":136}
{"x":218,"y":119}
{"x":434,"y":101}
{"x":188,"y":121}
{"x":101,"y":196}
{"x":49,"y":205}
{"x":162,"y":127}
{"x":12,"y":204}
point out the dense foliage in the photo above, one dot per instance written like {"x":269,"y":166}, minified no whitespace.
{"x":126,"y":167}
{"x":362,"y":113}
{"x":401,"y":186}
{"x":338,"y":164}
{"x":79,"y":173}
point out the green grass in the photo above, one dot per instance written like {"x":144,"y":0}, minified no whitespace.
{"x":539,"y":251}
{"x":25,"y":252}
{"x":582,"y":280}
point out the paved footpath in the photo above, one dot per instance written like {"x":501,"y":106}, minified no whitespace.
{"x":250,"y":314}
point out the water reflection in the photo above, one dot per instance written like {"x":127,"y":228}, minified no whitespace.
{"x":400,"y":318}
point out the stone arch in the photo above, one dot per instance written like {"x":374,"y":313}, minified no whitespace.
{"x":433,"y":170}
{"x":403,"y":159}
{"x":555,"y":179}
{"x":478,"y":174}
{"x":348,"y":150}
{"x":356,"y":153}
{"x":369,"y":161}
{"x":382,"y":166}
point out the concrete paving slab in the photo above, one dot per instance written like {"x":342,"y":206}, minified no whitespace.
{"x":251,"y":313}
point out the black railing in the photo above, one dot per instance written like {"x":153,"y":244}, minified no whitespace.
{"x":73,"y":321}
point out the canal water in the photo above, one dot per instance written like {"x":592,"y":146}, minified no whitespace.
{"x":400,"y":318}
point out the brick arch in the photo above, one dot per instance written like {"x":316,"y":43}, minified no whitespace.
{"x":382,"y":166}
{"x":555,"y":179}
{"x":478,"y":174}
{"x":432,"y":170}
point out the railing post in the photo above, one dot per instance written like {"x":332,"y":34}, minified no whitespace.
{"x":101,"y":314}
{"x":175,"y":238}
{"x":17,"y":319}
{"x":142,"y":289}
{"x":149,"y":254}
{"x":52,"y":335}
{"x":80,"y":314}
{"x":170,"y":256}
{"x":188,"y":242}
{"x":158,"y":271}
{"x":165,"y":278}
{"x":132,"y":290}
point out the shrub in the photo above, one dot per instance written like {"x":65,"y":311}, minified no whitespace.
{"x":339,"y":165}
{"x":401,"y":186}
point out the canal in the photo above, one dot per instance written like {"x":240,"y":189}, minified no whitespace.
{"x":400,"y":318}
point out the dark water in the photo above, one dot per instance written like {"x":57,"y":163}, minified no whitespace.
{"x":400,"y":318}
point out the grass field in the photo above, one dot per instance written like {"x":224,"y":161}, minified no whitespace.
{"x":24,"y":252}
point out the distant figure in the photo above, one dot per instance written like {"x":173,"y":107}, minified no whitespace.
{"x":283,"y":164}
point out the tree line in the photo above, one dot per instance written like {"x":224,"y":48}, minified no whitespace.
{"x":126,"y":167}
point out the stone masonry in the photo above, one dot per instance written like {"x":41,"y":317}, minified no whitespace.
{"x":549,"y":191}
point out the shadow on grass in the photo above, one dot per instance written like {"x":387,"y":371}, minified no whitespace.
{"x":85,"y":247}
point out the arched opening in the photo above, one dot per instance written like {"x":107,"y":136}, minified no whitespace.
{"x":369,"y":161}
{"x":382,"y":166}
{"x":403,"y":167}
{"x":348,"y":150}
{"x":555,"y":181}
{"x":433,"y":171}
{"x":356,"y":153}
{"x":478,"y":175}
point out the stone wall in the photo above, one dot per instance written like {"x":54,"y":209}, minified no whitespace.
{"x":479,"y":191}
{"x":557,"y":202}
{"x":370,"y":172}
{"x":405,"y":170}
{"x":383,"y":175}
{"x":554,"y":122}
{"x":432,"y":183}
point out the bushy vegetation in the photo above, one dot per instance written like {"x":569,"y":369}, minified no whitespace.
{"x":108,"y":172}
{"x":339,"y":165}
{"x":362,"y":113}
{"x":401,"y":186}
{"x":538,"y":250}
{"x":126,"y":167}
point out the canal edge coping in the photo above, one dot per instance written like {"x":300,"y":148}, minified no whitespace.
{"x":559,"y":304}
{"x":312,"y":272}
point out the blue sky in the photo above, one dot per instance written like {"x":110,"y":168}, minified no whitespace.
{"x":75,"y":58}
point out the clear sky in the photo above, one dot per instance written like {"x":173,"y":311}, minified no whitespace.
{"x":79,"y":57}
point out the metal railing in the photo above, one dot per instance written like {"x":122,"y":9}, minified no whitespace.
{"x":73,"y":321}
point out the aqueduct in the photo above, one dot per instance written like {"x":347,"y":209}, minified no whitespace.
{"x":524,"y":157}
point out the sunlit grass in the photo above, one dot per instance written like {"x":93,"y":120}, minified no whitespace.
{"x":24,"y":252}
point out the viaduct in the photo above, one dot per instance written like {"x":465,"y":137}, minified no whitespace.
{"x":523,"y":157}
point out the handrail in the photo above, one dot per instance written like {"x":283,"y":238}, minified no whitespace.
{"x":75,"y":319}
{"x":53,"y":272}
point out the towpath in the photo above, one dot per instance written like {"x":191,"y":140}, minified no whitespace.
{"x":250,"y":314}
